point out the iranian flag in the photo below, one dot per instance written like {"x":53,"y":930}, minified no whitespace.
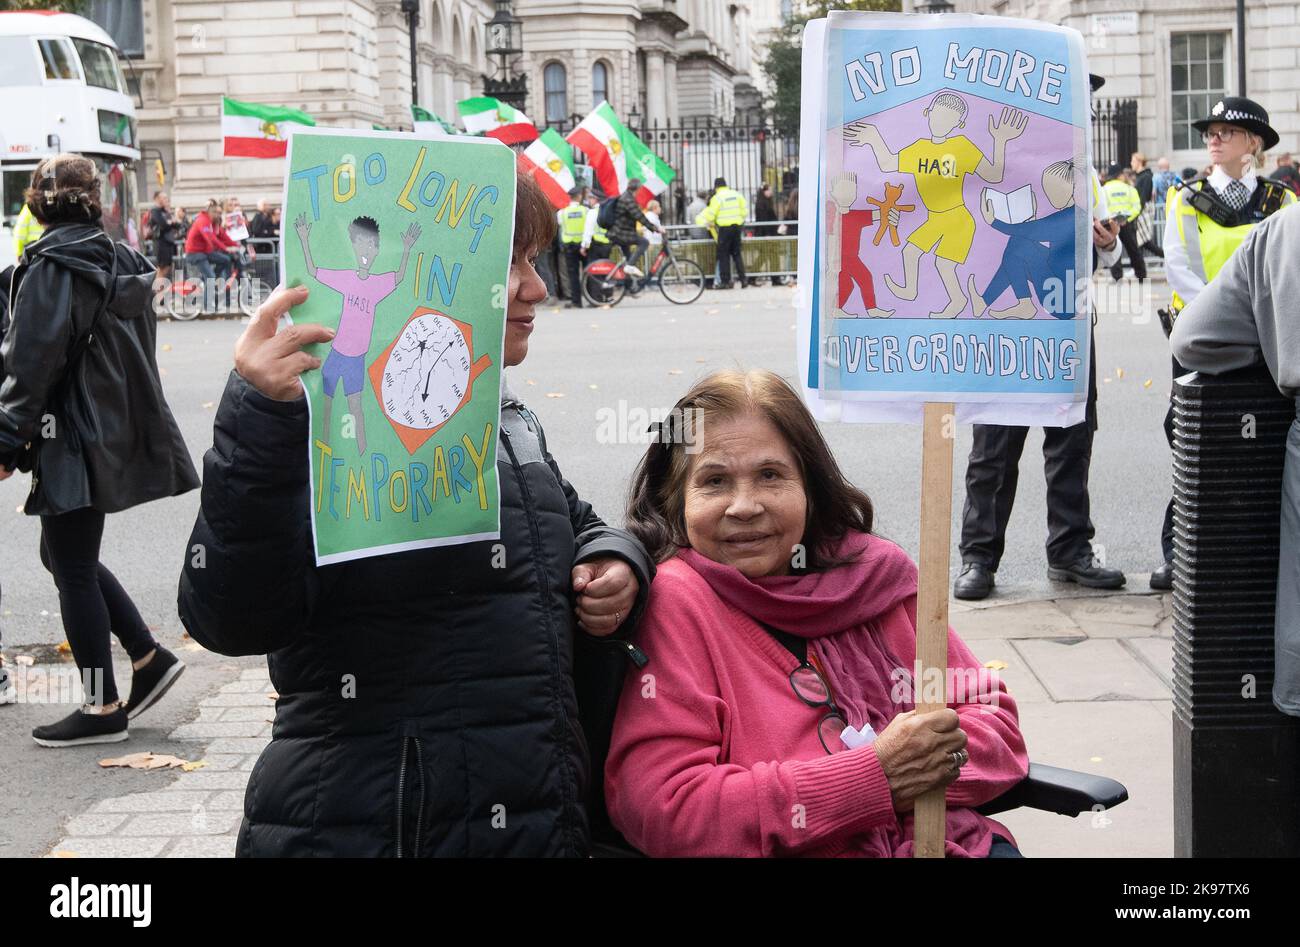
{"x":484,"y":115}
{"x":617,"y":155}
{"x":550,"y":162}
{"x":250,"y":130}
{"x":430,"y":125}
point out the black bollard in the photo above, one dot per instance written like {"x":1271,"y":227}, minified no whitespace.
{"x":1236,"y":757}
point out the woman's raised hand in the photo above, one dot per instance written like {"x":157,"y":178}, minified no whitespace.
{"x":271,"y":361}
{"x":915,"y":751}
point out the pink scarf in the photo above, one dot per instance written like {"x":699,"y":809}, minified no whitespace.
{"x":832,"y":609}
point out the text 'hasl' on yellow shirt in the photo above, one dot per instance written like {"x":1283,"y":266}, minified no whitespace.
{"x":940,"y":168}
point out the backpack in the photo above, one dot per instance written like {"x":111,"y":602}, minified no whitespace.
{"x":608,"y":212}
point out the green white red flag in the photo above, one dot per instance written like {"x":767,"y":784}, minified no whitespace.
{"x":550,"y":162}
{"x":616,"y":155}
{"x":484,"y":115}
{"x":430,"y":125}
{"x":251,"y":130}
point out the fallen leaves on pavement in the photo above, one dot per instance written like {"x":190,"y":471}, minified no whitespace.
{"x":145,"y":760}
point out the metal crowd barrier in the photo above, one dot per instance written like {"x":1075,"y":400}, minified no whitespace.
{"x":765,"y":252}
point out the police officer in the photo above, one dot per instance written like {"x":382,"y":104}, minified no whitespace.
{"x":727,"y":211}
{"x":595,"y":240}
{"x":1206,"y":220}
{"x":993,"y":470}
{"x":1123,"y":201}
{"x":573,"y":223}
{"x":27,"y":229}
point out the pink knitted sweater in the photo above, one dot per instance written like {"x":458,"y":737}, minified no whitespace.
{"x":713,"y":754}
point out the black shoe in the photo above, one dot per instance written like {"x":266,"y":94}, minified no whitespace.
{"x":975,"y":581}
{"x":1088,"y":573}
{"x":1163,"y":578}
{"x":152,"y":681}
{"x":79,"y":729}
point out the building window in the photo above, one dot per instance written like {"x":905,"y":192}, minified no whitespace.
{"x":1197,"y":64}
{"x":121,"y":19}
{"x":557,"y":95}
{"x":599,"y":83}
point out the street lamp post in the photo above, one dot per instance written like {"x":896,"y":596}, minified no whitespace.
{"x":505,"y":38}
{"x":1241,"y":48}
{"x":412,"y":10}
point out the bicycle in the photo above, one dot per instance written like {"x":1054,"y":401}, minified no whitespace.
{"x":605,"y":282}
{"x":184,"y":298}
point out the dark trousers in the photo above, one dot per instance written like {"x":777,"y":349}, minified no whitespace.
{"x":1128,"y":237}
{"x":597,"y":251}
{"x":93,"y":602}
{"x":212,"y":267}
{"x":728,"y":250}
{"x":573,"y":270}
{"x":630,"y":251}
{"x":546,"y":270}
{"x":994,"y":470}
{"x":1167,"y":527}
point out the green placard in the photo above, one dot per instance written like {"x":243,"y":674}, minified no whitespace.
{"x":405,"y":244}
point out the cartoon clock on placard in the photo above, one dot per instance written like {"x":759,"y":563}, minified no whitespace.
{"x":426,"y":375}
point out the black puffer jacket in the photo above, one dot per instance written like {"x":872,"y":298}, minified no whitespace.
{"x":427,"y":700}
{"x":102,"y":435}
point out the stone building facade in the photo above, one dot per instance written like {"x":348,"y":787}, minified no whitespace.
{"x":347,"y":63}
{"x":1177,"y":59}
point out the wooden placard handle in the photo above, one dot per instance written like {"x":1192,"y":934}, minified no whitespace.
{"x":938,"y":433}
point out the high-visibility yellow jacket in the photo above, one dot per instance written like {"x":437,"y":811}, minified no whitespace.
{"x":573,"y":221}
{"x":727,"y":208}
{"x":593,"y":232}
{"x":1209,"y":245}
{"x":27,"y":229}
{"x":1122,"y":198}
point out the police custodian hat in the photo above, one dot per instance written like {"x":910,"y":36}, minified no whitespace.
{"x":1244,"y":113}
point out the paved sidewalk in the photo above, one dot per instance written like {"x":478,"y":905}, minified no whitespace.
{"x":198,"y":814}
{"x":1090,"y":673}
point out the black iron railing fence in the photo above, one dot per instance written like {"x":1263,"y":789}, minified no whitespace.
{"x":749,"y":154}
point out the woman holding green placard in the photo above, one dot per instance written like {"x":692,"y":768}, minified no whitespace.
{"x":428,"y":700}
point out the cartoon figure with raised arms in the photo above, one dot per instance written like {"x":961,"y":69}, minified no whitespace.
{"x":362,"y":291}
{"x":940,"y":164}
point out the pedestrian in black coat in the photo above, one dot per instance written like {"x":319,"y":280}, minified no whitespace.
{"x":429,"y":701}
{"x":82,"y":408}
{"x":765,"y":213}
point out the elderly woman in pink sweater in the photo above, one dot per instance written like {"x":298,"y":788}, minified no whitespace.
{"x":776,"y":715}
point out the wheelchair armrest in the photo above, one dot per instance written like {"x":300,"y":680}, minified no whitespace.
{"x":1063,"y":791}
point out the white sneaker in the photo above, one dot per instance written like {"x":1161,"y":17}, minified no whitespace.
{"x":633,"y":271}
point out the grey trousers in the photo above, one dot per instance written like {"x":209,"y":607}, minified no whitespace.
{"x":1286,"y":633}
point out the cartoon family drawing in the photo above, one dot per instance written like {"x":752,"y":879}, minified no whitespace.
{"x":362,"y":290}
{"x":939,"y":164}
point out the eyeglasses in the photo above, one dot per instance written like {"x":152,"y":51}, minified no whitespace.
{"x":810,"y":687}
{"x":1224,"y":135}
